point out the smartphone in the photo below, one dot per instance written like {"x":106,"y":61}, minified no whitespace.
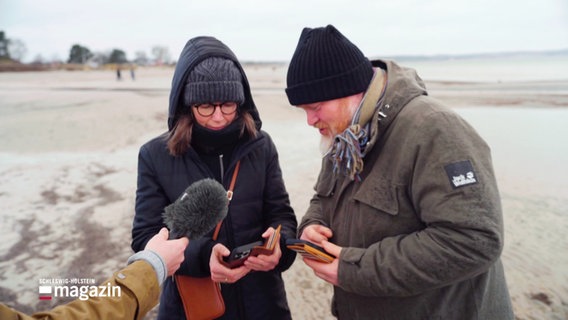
{"x":309,"y":250}
{"x":240,"y":254}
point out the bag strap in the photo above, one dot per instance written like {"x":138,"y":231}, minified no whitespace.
{"x":233,"y":180}
{"x":229,"y":196}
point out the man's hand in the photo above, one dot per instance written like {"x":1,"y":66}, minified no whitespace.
{"x":171,"y":251}
{"x":326,"y":271}
{"x":316,"y":234}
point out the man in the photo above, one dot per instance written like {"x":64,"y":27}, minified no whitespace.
{"x":139,"y":282}
{"x":406,"y":198}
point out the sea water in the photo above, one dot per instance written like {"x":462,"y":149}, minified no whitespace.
{"x":493,"y":70}
{"x":528,"y":145}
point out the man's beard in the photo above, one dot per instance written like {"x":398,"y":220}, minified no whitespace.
{"x":326,"y":142}
{"x":344,"y":121}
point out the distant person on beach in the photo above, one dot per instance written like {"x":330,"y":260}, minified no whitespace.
{"x":406,"y":198}
{"x":139,"y":282}
{"x":213,"y":125}
{"x":118,"y":76}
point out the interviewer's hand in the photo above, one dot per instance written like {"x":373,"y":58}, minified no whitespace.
{"x":266,"y":262}
{"x":172,"y":251}
{"x":221,"y":273}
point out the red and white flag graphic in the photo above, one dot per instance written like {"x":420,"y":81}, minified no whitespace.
{"x":44,"y":292}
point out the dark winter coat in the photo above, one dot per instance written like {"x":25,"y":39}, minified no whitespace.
{"x":260,"y":200}
{"x":422,"y":233}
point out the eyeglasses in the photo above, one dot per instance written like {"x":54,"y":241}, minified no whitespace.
{"x":208,"y":109}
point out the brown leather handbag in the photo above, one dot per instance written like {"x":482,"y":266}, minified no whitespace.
{"x":201,"y":297}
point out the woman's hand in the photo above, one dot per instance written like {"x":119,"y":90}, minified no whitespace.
{"x":221,"y":273}
{"x":264,"y":262}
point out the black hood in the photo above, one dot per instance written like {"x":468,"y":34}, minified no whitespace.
{"x":196,"y":50}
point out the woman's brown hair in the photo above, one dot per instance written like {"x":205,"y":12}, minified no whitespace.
{"x":179,"y":139}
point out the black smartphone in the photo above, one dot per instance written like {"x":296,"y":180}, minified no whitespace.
{"x":240,"y":254}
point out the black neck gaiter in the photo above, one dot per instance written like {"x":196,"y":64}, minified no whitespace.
{"x":210,"y":144}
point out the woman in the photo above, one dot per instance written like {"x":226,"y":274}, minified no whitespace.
{"x":213,"y":123}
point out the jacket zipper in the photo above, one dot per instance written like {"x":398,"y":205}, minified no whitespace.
{"x":230,"y":239}
{"x":222,"y":167}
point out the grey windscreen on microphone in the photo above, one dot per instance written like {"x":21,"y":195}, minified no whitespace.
{"x":196,"y":212}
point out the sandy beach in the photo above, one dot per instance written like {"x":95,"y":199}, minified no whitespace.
{"x":68,"y":155}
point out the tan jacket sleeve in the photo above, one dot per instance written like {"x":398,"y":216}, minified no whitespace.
{"x":139,"y":294}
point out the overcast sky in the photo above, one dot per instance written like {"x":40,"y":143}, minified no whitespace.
{"x":269,"y":30}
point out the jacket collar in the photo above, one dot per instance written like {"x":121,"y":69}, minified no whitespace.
{"x":403,"y":85}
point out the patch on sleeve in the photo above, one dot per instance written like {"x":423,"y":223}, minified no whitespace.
{"x":461,"y":174}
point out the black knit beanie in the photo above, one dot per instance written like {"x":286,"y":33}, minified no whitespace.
{"x":326,"y":66}
{"x":214,"y":79}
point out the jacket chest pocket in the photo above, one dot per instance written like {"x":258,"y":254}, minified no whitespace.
{"x":325,"y":190}
{"x":379,"y":196}
{"x":380,"y":209}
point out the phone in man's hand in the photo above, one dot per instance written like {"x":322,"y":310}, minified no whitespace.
{"x":309,"y":250}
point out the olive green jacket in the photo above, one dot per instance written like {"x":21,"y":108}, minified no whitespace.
{"x":139,"y":294}
{"x":422,"y":232}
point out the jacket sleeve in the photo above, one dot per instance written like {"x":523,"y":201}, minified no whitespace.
{"x":150,"y":202}
{"x":463,"y":228}
{"x":139,"y":292}
{"x":276,"y":206}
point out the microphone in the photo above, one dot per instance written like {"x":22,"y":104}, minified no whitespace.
{"x":203,"y":204}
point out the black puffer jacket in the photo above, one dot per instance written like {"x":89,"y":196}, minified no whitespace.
{"x":260,"y":201}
